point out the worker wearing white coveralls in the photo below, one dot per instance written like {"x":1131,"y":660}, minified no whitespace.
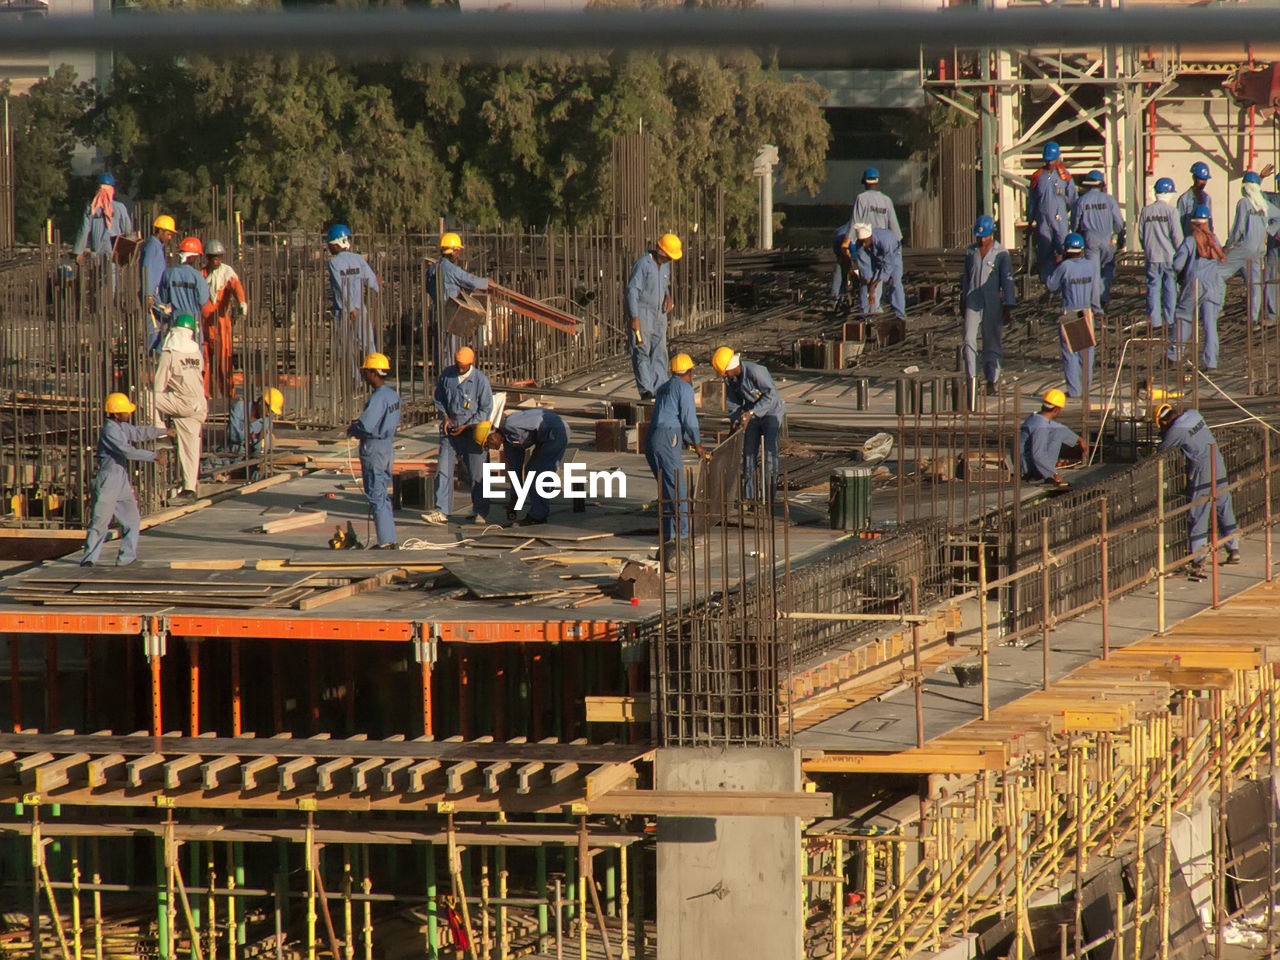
{"x":179,"y":394}
{"x":1246,"y":246}
{"x":986,"y":295}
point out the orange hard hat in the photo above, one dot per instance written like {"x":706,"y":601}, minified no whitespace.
{"x":464,"y":355}
{"x":191,"y":245}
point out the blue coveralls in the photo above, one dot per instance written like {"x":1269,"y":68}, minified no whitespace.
{"x":1049,"y":203}
{"x":455,"y":279}
{"x":375,"y":429}
{"x":1273,"y":258}
{"x":112,"y":491}
{"x":96,"y":236}
{"x":753,"y":390}
{"x":1203,"y":288}
{"x":674,"y":424}
{"x":841,"y":274}
{"x":466,"y":402}
{"x":1190,"y":435}
{"x":259,"y":431}
{"x":1246,"y":249}
{"x":1187,"y":202}
{"x":349,"y":273}
{"x":546,"y":434}
{"x":882,"y":261}
{"x":986,"y":284}
{"x":153,"y":265}
{"x":185,"y":289}
{"x":1097,"y":217}
{"x":1081,"y":288}
{"x":875,"y":209}
{"x":1160,"y":231}
{"x":648,"y":286}
{"x":1042,"y":441}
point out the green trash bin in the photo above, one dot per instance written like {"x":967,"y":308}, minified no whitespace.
{"x":849,"y":502}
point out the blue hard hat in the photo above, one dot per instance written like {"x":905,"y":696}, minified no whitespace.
{"x":1200,"y":212}
{"x":337,"y":232}
{"x":1200,"y":170}
{"x":1094,"y":176}
{"x":1165,"y":185}
{"x":106,"y":180}
{"x":1251,"y":177}
{"x":1073,"y":242}
{"x":984,"y":226}
{"x":870,"y":174}
{"x":1051,"y":152}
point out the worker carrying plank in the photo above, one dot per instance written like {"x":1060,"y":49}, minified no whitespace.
{"x":463,"y":398}
{"x":674,"y":424}
{"x":375,"y":428}
{"x":532,"y":442}
{"x":756,"y":409}
{"x":1045,"y":443}
{"x":1186,"y":432}
{"x":179,"y":394}
{"x":648,"y":303}
{"x":112,"y":491}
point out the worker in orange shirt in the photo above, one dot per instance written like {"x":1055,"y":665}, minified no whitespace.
{"x":224,"y":287}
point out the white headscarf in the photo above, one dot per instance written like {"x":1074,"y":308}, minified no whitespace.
{"x":181,"y":340}
{"x":1253,"y":193}
{"x":1167,"y":198}
{"x":862,"y":230}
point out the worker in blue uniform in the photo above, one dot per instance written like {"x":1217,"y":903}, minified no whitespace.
{"x":453,"y":276}
{"x":1195,"y":196}
{"x":879,"y":255}
{"x":463,"y":398}
{"x":1272,"y":296}
{"x":184,"y":290}
{"x":648,"y":303}
{"x":350,"y":280}
{"x":844,"y":270}
{"x":673,"y":427}
{"x":1076,"y":279}
{"x":1050,"y":198}
{"x":1097,"y":218}
{"x":1199,"y":263}
{"x":153,"y":264}
{"x":873,"y":207}
{"x":1246,"y":247}
{"x":1187,"y":433}
{"x":986,"y":296}
{"x":1160,"y":233}
{"x":532,"y":441}
{"x":1045,"y":442}
{"x":755,"y":408}
{"x":112,"y":491}
{"x":375,"y":428}
{"x":105,"y":218}
{"x":249,"y":429}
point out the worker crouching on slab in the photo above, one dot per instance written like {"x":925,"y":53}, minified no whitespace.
{"x":464,"y":399}
{"x":1186,"y":432}
{"x":648,"y":305}
{"x":179,"y":393}
{"x":674,"y":424}
{"x":533,"y":442}
{"x":112,"y":490}
{"x":756,"y":409}
{"x":1046,"y":443}
{"x":249,"y":429}
{"x":375,"y":428}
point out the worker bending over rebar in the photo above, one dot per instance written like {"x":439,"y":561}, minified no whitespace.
{"x":532,"y":442}
{"x":757,"y":410}
{"x":1045,"y":443}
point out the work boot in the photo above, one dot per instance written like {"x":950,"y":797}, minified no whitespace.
{"x":386,"y":546}
{"x":1196,"y":571}
{"x":1233,"y":555}
{"x":991,"y":388}
{"x":646,"y":395}
{"x":479,"y":520}
{"x":183,"y":498}
{"x":86,"y":563}
{"x":435,"y":516}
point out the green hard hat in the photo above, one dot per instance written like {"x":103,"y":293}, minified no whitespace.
{"x":185,"y":320}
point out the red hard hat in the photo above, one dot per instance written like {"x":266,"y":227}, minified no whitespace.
{"x":191,"y":245}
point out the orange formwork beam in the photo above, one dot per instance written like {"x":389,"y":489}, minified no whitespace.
{"x":29,"y":621}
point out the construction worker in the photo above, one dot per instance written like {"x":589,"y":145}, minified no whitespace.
{"x":1187,"y":433}
{"x":873,"y":207}
{"x":1246,"y":247}
{"x":1097,"y":218}
{"x":1273,"y":255}
{"x":153,"y":265}
{"x":453,"y":276}
{"x":252,"y":437}
{"x":1050,"y":199}
{"x":844,"y":270}
{"x":1045,"y":442}
{"x":648,"y":303}
{"x":986,"y":295}
{"x":224,"y":289}
{"x":1198,"y":262}
{"x":1195,"y":196}
{"x":179,"y":393}
{"x":542,"y":433}
{"x":1076,"y":279}
{"x":674,"y":425}
{"x":349,"y":275}
{"x":463,"y":399}
{"x":112,"y":492}
{"x":756,"y":408}
{"x":105,"y":218}
{"x":183,"y":288}
{"x":375,"y":428}
{"x":1160,"y":231}
{"x":879,"y":255}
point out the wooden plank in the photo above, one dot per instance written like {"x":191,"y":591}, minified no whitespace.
{"x":353,"y":589}
{"x":175,"y":769}
{"x":285,"y":524}
{"x":909,"y":761}
{"x":618,"y":709}
{"x":603,"y":779}
{"x":211,"y":772}
{"x":808,"y":806}
{"x":207,"y":564}
{"x":101,"y":770}
{"x":51,"y":776}
{"x":526,"y":777}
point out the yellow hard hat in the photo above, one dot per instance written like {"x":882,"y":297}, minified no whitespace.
{"x":274,"y":400}
{"x":1055,"y":398}
{"x":669,"y":244}
{"x":720,"y":360}
{"x":681,"y":363}
{"x":165,"y":222}
{"x":376,"y":361}
{"x":450,"y":241}
{"x":1161,"y":411}
{"x":119,"y":403}
{"x":483,"y":429}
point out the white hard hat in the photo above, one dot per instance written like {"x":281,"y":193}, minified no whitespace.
{"x":862,"y":230}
